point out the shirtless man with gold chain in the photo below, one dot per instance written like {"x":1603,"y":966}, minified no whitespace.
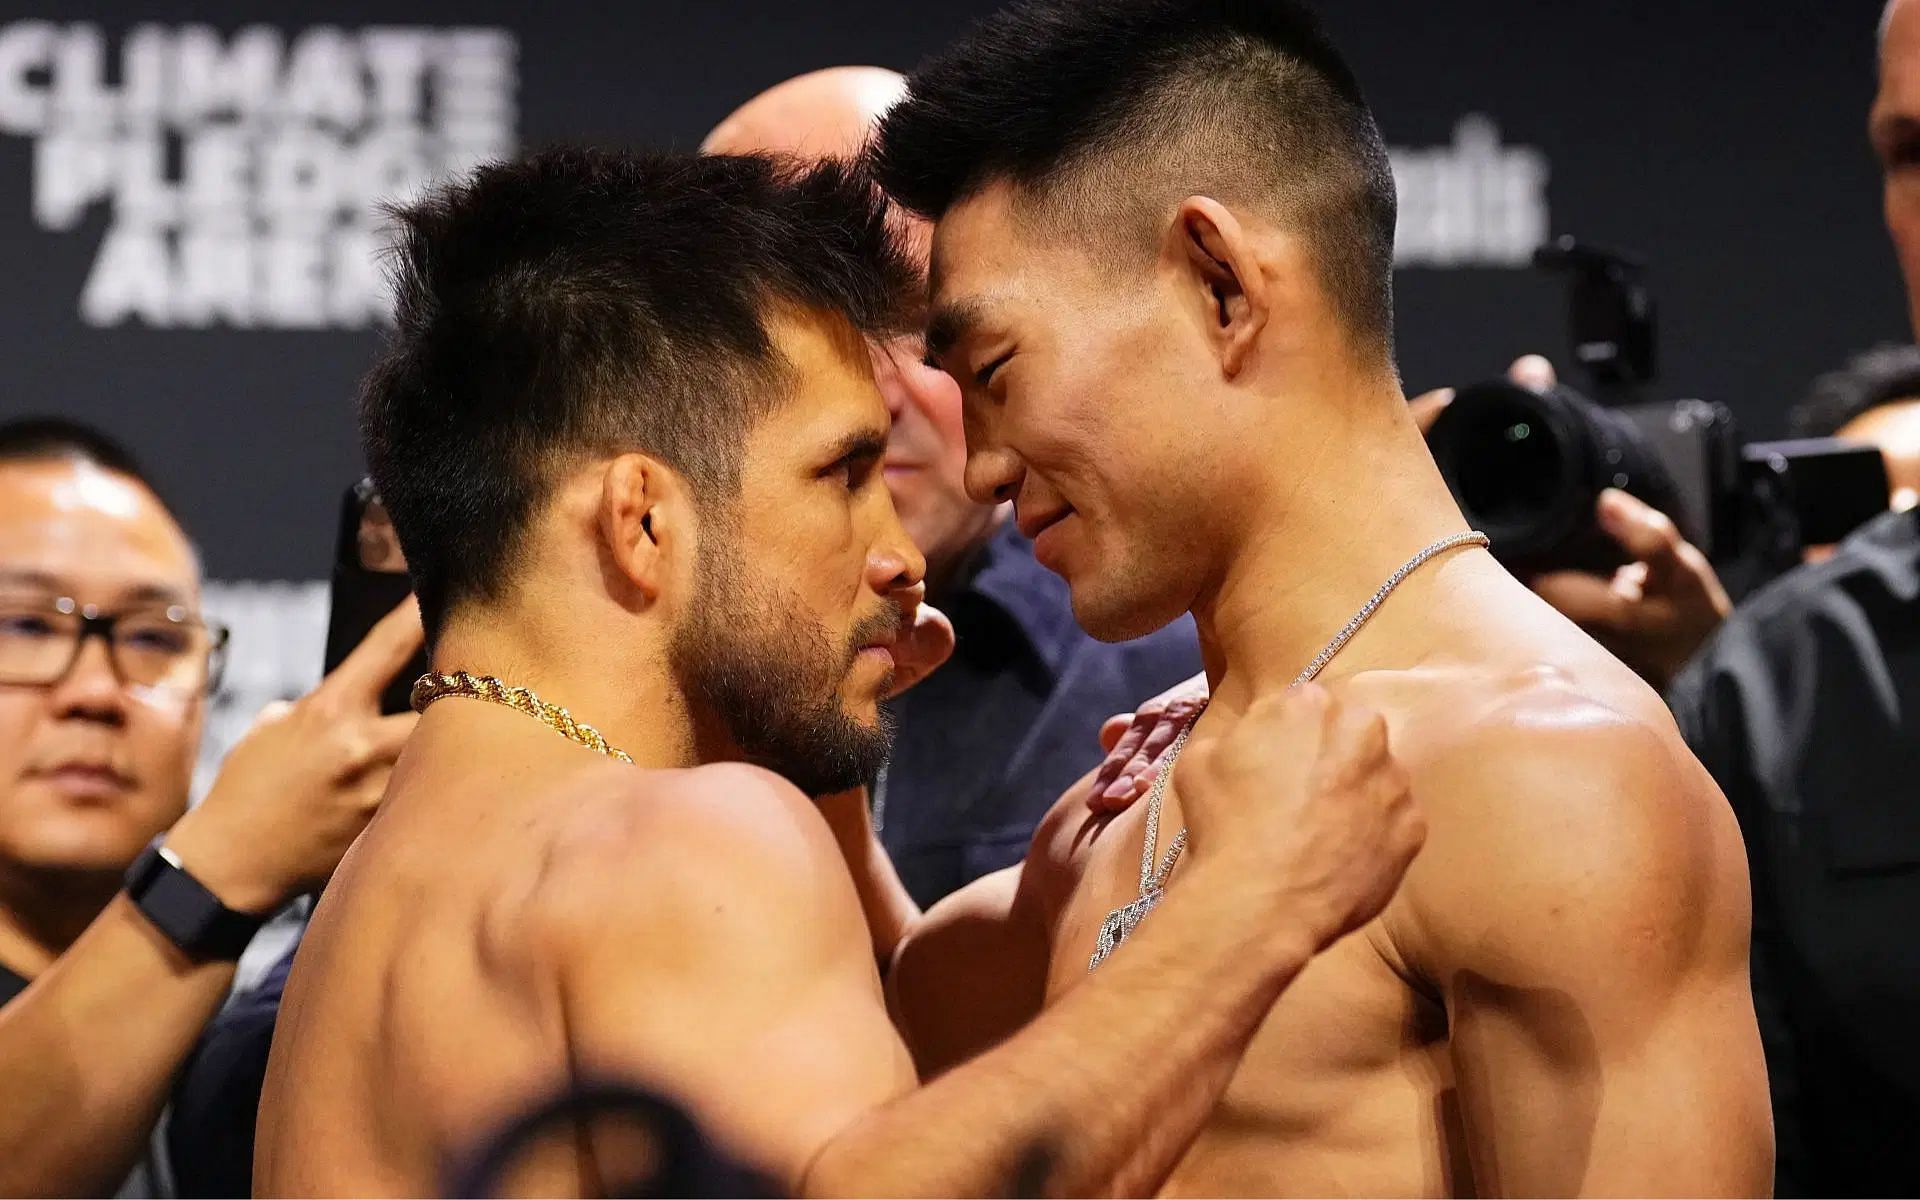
{"x":1161,"y":273}
{"x":630,"y":439}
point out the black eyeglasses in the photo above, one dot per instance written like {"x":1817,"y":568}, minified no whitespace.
{"x":164,"y":647}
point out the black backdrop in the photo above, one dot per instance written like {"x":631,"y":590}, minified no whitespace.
{"x":1723,"y":139}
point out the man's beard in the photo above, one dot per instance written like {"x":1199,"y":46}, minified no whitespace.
{"x":749,"y":655}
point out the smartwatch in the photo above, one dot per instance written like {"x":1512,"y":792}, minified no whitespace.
{"x":181,"y":907}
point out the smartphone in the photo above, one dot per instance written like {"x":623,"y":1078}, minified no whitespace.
{"x":369,"y":581}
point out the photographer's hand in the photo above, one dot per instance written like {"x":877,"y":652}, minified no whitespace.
{"x":1658,"y":609}
{"x":294,"y":793}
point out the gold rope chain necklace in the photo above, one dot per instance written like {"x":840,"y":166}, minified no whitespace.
{"x":436,"y":685}
{"x":1153,"y":884}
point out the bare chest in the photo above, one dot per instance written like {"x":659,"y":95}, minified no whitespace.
{"x":1344,"y":1090}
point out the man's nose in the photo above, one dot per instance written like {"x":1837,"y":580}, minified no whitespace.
{"x":993,"y":475}
{"x":91,"y":688}
{"x":895,"y":561}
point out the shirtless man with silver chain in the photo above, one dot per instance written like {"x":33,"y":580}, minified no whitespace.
{"x":1161,"y":275}
{"x":630,"y":439}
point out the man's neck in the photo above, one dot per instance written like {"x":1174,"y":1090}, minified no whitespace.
{"x":624,"y":692}
{"x":1331,"y":541}
{"x":42,"y":913}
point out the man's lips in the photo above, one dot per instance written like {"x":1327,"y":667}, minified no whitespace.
{"x":1032,"y":525}
{"x":83,"y":775}
{"x":884,"y":644}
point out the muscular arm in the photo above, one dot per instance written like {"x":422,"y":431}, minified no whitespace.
{"x":756,"y":1004}
{"x":891,"y":913}
{"x":972,"y":972}
{"x":90,"y":1051}
{"x":1582,"y":906}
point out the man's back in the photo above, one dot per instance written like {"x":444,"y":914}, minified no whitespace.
{"x":411,"y":1022}
{"x":1474,"y":1037}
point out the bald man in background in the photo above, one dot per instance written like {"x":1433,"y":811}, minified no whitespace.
{"x":991,"y":740}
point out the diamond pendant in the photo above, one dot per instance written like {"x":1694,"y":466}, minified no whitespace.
{"x":1121,"y":922}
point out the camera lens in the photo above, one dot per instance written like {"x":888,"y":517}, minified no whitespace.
{"x":1527,"y":468}
{"x":1520,"y":468}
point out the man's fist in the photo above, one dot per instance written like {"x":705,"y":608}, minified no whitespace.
{"x":305,"y":780}
{"x":1300,"y":803}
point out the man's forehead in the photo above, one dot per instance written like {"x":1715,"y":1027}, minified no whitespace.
{"x":975,"y":237}
{"x":831,"y":381}
{"x":82,"y":524}
{"x":979,"y":274}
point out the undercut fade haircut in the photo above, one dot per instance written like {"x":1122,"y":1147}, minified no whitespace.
{"x":1104,"y":114}
{"x":1883,"y":375}
{"x":581,"y":303}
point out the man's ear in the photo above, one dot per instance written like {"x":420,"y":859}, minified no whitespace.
{"x":644,"y":520}
{"x":1226,"y":275}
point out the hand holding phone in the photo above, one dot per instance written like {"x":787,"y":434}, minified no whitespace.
{"x":369,"y":581}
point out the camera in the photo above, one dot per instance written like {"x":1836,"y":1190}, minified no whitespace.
{"x":1527,"y":467}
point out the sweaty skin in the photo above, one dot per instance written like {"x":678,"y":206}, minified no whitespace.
{"x":1556,"y":1000}
{"x":1562,"y":964}
{"x":524,"y":914}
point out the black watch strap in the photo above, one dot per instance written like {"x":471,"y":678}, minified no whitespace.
{"x":181,"y":907}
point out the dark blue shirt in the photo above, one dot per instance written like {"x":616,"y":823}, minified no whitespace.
{"x":217,"y":1096}
{"x":988,"y":742}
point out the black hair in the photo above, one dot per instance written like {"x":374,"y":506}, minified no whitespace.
{"x":594,"y":302}
{"x":60,"y":439}
{"x":1085,"y":105}
{"x":1878,"y":376}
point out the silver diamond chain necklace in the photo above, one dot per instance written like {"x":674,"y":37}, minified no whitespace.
{"x":1153,"y":883}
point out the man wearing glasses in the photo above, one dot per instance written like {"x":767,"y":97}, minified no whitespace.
{"x":108,"y":974}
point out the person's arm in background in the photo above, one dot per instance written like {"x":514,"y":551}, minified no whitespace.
{"x":91,"y":1046}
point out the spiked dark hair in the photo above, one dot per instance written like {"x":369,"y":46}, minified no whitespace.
{"x":1102,"y":109}
{"x":581,"y":302}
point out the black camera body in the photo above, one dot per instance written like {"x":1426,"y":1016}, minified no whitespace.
{"x":1528,"y":467}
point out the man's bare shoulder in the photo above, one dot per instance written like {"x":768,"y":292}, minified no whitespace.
{"x":709,"y":852}
{"x":1567,"y":819}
